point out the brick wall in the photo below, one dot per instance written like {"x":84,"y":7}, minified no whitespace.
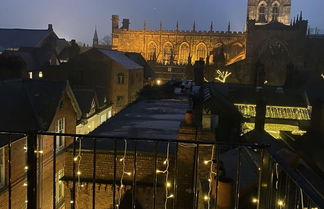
{"x":145,"y":177}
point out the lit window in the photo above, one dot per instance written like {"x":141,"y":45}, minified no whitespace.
{"x":184,"y":53}
{"x":201,"y":51}
{"x":109,"y":114}
{"x":30,"y":75}
{"x":152,"y":51}
{"x":262,"y":12}
{"x":60,"y":128}
{"x":275,"y":12}
{"x":167,"y":53}
{"x":40,"y":74}
{"x":103,"y":118}
{"x":2,"y":167}
{"x":59,"y":186}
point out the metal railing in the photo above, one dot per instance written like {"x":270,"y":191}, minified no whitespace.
{"x":195,"y":174}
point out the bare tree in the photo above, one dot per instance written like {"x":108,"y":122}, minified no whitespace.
{"x":106,"y":40}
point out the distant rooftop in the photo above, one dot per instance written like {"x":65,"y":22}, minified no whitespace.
{"x":153,"y":119}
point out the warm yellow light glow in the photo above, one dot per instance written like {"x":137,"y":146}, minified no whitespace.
{"x":170,"y":196}
{"x":158,"y":82}
{"x":254,"y":200}
{"x":79,"y":173}
{"x":121,"y":160}
{"x":75,"y":159}
{"x":206,"y":162}
{"x":128,"y":173}
{"x":41,"y":151}
{"x":281,"y":203}
{"x":40,"y":74}
{"x":25,"y":184}
{"x":168,"y":184}
{"x":165,"y":162}
{"x":206,"y":198}
{"x":26,"y":167}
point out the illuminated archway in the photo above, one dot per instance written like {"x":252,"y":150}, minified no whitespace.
{"x":152,"y":51}
{"x":201,"y":52}
{"x":184,"y":52}
{"x":167,"y":53}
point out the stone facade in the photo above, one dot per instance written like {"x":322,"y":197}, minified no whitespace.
{"x":264,"y":11}
{"x":177,"y":46}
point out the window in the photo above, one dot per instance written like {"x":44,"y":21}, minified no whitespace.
{"x":60,"y":128}
{"x":167,"y":53}
{"x":120,"y":78}
{"x":275,"y":12}
{"x":109,"y":114}
{"x":120,"y":101}
{"x":184,"y":53}
{"x":103,"y":118}
{"x":30,"y":75}
{"x":262,"y":9}
{"x":59,"y":187}
{"x":40,"y":74}
{"x":201,"y":51}
{"x":2,"y":167}
{"x":152,"y":51}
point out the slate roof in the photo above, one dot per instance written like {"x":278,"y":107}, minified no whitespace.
{"x":16,"y":38}
{"x":139,"y":59}
{"x":29,"y":104}
{"x":247,"y":94}
{"x":84,"y":98}
{"x":148,"y":119}
{"x":121,"y":59}
{"x":35,"y":58}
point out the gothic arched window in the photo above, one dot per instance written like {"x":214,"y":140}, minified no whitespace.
{"x":167,"y":53}
{"x":152,"y":51}
{"x":184,"y":53}
{"x":201,"y":51}
{"x":262,"y":13}
{"x":275,"y":12}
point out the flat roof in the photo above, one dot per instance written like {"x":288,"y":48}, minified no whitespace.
{"x":147,"y":119}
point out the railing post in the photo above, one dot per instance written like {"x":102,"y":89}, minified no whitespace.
{"x":32,"y":170}
{"x":54,"y":172}
{"x":94,"y":173}
{"x":9,"y":173}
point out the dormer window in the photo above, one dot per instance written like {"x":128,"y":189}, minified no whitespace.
{"x":275,"y":12}
{"x":262,"y":11}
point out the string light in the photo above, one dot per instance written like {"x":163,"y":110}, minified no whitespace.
{"x":166,"y":162}
{"x":123,"y":161}
{"x":254,"y":200}
{"x":77,"y":159}
{"x":211,"y":175}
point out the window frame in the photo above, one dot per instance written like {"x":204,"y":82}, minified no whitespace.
{"x":60,"y":191}
{"x":2,"y":167}
{"x":60,"y":128}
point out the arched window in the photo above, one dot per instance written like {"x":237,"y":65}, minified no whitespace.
{"x":167,"y":53}
{"x":201,"y":51}
{"x":262,"y":13}
{"x":275,"y":12}
{"x":184,"y":53}
{"x":152,"y":49}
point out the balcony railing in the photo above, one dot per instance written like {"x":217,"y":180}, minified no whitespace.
{"x":117,"y":173}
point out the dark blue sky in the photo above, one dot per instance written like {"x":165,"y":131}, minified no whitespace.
{"x":76,"y":19}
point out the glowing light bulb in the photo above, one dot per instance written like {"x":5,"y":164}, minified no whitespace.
{"x":25,"y":184}
{"x":128,"y":173}
{"x":165,"y":162}
{"x":168,"y":184}
{"x":158,"y":171}
{"x":281,"y":203}
{"x":75,"y":159}
{"x":206,"y":197}
{"x":121,"y":160}
{"x":206,"y":162}
{"x":171,"y":196}
{"x":26,"y":168}
{"x":40,"y":151}
{"x":79,"y":173}
{"x":254,"y":200}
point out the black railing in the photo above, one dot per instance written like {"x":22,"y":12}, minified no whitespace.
{"x":195,"y":174}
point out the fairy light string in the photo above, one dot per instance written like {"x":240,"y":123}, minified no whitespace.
{"x":123,"y":161}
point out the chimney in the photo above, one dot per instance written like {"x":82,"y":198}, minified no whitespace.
{"x":317,"y":123}
{"x":115,"y":22}
{"x":260,"y":110}
{"x":199,"y":72}
{"x":50,"y":27}
{"x":125,"y":24}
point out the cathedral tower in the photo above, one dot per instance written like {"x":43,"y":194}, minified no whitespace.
{"x":95,"y":41}
{"x":265,"y":11}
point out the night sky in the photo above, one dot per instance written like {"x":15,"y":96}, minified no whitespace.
{"x":76,"y":19}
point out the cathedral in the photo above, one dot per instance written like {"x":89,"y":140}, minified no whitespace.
{"x":271,"y":38}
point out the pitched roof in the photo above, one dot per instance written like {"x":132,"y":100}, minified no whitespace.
{"x":29,"y":104}
{"x":35,"y":58}
{"x":16,"y":38}
{"x":85,"y":98}
{"x":139,"y":59}
{"x":121,"y":59}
